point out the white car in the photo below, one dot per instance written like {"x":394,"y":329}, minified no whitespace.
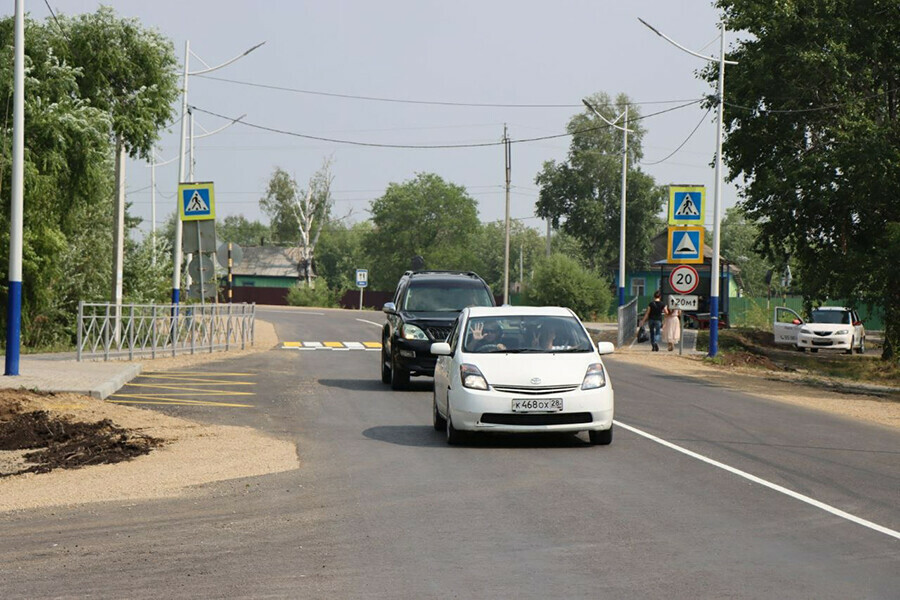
{"x":539,"y":372}
{"x":829,"y":327}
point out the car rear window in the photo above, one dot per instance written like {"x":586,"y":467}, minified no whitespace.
{"x":444,"y":297}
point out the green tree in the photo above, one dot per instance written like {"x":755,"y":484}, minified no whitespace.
{"x":425,"y":216}
{"x":341,"y":250}
{"x":278,"y":203}
{"x":582,"y":196}
{"x":813,"y":123}
{"x":561,"y":281}
{"x":524,"y":242}
{"x":237,"y":229}
{"x":738,"y":238}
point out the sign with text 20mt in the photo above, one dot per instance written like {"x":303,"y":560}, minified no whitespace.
{"x":196,"y":201}
{"x":685,"y":245}
{"x":687,"y":204}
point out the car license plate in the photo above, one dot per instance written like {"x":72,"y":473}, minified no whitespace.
{"x":526,"y":405}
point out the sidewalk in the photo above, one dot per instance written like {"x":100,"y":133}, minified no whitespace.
{"x":60,"y":373}
{"x":689,"y":336}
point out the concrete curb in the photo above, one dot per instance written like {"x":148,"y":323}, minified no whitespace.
{"x":114,"y":384}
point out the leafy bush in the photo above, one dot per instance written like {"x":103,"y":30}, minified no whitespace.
{"x":562,"y":281}
{"x":320,"y":295}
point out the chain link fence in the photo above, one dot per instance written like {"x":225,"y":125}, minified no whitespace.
{"x":134,"y":331}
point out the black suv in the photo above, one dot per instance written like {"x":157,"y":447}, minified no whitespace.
{"x":425,"y":306}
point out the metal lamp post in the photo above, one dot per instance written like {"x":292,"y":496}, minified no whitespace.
{"x":624,"y":130}
{"x":717,"y":208}
{"x":176,"y":276}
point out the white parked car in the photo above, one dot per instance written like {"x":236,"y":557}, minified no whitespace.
{"x":521,"y":369}
{"x":830,"y":327}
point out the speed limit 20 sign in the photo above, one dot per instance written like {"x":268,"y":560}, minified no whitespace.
{"x":684,"y":279}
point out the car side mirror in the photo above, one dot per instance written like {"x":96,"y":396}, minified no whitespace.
{"x":857,"y":323}
{"x":440,"y":349}
{"x":605,"y":348}
{"x":389,"y":308}
{"x":796,"y":322}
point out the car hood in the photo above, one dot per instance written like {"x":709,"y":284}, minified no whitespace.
{"x":520,"y":369}
{"x":432,"y":317}
{"x":826,"y":327}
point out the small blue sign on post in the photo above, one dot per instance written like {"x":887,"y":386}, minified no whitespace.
{"x":362,"y":278}
{"x":687,"y":204}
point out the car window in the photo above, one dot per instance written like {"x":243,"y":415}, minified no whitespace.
{"x":444,"y":298}
{"x":454,"y":335}
{"x":537,"y":334}
{"x":833,"y":317}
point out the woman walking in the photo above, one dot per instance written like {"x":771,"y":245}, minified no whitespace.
{"x":671,"y":329}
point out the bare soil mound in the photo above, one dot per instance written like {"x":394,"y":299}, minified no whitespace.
{"x":58,"y":442}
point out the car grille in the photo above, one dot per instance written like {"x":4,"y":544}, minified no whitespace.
{"x":536,"y":390}
{"x":439,"y":334}
{"x":535,"y":419}
{"x":823,"y":333}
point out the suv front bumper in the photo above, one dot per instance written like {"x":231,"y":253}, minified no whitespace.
{"x":415,"y":356}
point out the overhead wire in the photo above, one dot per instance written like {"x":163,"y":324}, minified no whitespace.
{"x":686,"y":140}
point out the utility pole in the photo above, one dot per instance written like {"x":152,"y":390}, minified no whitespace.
{"x":153,"y":204}
{"x":548,"y":237}
{"x":508,"y":160}
{"x":14,"y":300}
{"x":119,"y":237}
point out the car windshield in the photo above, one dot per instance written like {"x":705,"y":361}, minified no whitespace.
{"x":444,"y":297}
{"x":835,"y":317}
{"x":525,"y":334}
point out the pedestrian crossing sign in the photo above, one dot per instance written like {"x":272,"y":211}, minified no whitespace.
{"x":685,"y":245}
{"x":196,"y":201}
{"x":687,"y":204}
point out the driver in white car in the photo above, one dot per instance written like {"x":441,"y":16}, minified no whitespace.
{"x":486,"y":335}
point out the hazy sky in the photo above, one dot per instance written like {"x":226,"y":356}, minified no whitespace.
{"x":424,"y":51}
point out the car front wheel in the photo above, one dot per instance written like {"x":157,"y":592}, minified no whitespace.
{"x":602,"y":437}
{"x":862,"y":345}
{"x":850,"y":349}
{"x":399,"y":375}
{"x":438,"y":421}
{"x":385,"y":365}
{"x":455,"y":437}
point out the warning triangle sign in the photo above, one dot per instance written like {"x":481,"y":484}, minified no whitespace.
{"x":688,"y":208}
{"x":197,"y":204}
{"x":685,"y":245}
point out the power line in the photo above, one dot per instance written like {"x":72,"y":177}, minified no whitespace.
{"x":438,"y":146}
{"x":674,"y":152}
{"x":407,"y":101}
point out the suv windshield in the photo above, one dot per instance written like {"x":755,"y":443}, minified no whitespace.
{"x":835,"y":317}
{"x":444,"y":297}
{"x":525,"y":334}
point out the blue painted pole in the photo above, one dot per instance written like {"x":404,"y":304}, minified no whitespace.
{"x":14,"y":302}
{"x":621,"y":295}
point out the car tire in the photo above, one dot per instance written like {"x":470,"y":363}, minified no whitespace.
{"x":455,"y":437}
{"x":602,"y":437}
{"x":385,"y":365}
{"x":399,"y":375}
{"x":439,"y":422}
{"x":799,"y":349}
{"x":862,"y":345}
{"x":850,"y":349}
{"x":813,"y":350}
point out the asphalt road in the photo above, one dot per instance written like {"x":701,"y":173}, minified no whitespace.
{"x":382,"y":508}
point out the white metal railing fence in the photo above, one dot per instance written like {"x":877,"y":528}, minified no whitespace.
{"x":627,"y":319}
{"x":151,"y":330}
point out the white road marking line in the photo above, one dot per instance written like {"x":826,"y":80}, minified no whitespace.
{"x":370,"y":322}
{"x":772,"y":486}
{"x":354,"y":345}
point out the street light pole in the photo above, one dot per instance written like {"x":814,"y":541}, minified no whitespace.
{"x":17,"y":204}
{"x":176,"y":276}
{"x":507,"y":160}
{"x":717,"y":206}
{"x":624,"y":131}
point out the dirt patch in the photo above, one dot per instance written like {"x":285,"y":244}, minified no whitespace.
{"x":60,"y":443}
{"x":89,"y":450}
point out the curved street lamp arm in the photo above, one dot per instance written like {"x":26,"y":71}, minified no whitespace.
{"x":226,"y":63}
{"x":225,"y":126}
{"x":680,"y":47}
{"x":605,"y":120}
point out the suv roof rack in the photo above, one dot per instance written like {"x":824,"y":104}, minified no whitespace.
{"x":466,"y":273}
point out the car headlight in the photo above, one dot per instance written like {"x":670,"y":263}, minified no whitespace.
{"x":594,"y":378}
{"x":842,"y":332}
{"x":412,"y":332}
{"x":805,"y":330}
{"x":472,"y":378}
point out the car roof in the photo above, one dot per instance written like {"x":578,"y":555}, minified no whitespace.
{"x":839,"y":308}
{"x":516,"y":311}
{"x":444,"y":275}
